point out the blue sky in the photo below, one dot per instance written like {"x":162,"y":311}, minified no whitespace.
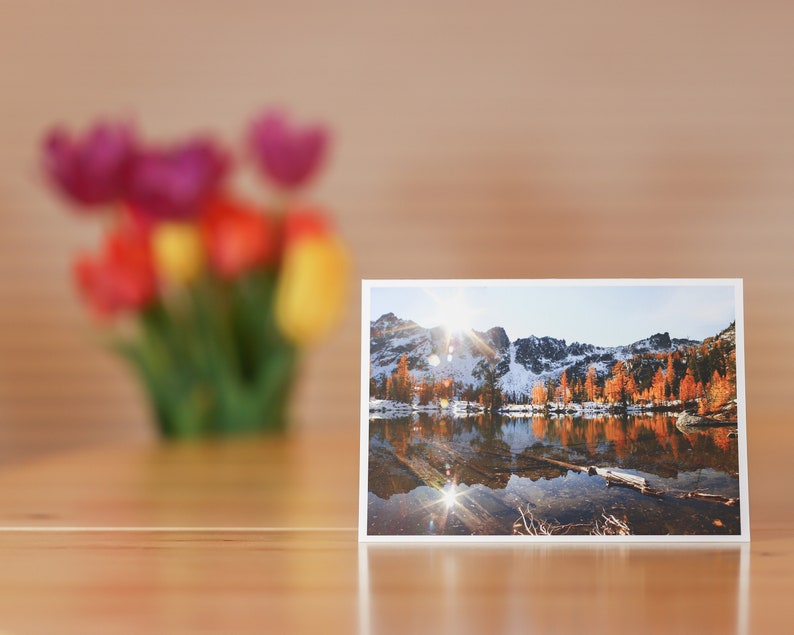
{"x":602,"y":314}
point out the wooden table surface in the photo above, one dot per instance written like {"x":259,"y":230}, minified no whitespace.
{"x":260,"y":536}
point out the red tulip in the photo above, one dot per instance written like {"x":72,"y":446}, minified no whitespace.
{"x":238,"y":238}
{"x":303,"y":222}
{"x":92,"y":169}
{"x":121,"y":277}
{"x":288,"y":155}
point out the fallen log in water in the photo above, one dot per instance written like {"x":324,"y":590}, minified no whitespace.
{"x":612,"y":477}
{"x":622,"y":479}
{"x":714,"y":498}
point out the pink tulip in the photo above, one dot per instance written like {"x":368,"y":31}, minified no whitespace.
{"x":176,"y":183}
{"x":287,"y":154}
{"x":92,"y":169}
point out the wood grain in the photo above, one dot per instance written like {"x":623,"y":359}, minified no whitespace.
{"x":240,"y":537}
{"x":302,"y":480}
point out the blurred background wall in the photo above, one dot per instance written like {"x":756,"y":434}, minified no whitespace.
{"x":500,"y":139}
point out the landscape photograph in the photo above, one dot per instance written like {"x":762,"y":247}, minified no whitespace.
{"x":582,"y":409}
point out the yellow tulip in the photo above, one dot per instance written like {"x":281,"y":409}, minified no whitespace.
{"x":178,"y":251}
{"x":312,"y":288}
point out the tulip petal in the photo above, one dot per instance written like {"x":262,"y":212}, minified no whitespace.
{"x":312,"y":288}
{"x":288,"y":155}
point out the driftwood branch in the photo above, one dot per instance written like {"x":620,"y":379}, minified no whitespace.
{"x":528,"y":525}
{"x":714,"y":498}
{"x":533,"y":527}
{"x":611,"y":526}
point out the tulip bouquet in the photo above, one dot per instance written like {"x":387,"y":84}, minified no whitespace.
{"x":211,"y":298}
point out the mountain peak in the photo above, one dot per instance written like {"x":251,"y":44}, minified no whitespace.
{"x":386,"y":318}
{"x":518,"y":363}
{"x":656,"y":342}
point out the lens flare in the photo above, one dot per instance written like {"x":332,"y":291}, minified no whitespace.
{"x":449,"y":495}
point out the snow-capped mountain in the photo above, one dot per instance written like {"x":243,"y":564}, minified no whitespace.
{"x":519,"y":363}
{"x":431,"y":350}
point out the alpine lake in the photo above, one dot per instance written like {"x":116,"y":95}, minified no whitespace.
{"x":431,"y":473}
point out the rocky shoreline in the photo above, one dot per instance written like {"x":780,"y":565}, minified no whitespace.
{"x":687,"y":420}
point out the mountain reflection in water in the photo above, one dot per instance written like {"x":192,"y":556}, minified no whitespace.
{"x":431,"y":473}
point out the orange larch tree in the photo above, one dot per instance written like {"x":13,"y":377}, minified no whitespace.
{"x":539,"y":394}
{"x":615,"y":387}
{"x":669,"y":377}
{"x":688,"y":389}
{"x":631,"y":389}
{"x":658,"y":386}
{"x":563,"y":393}
{"x":591,"y":384}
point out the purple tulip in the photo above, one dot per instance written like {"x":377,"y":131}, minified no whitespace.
{"x":287,"y":154}
{"x":92,"y":169}
{"x":176,"y":183}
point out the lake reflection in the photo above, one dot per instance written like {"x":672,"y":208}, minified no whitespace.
{"x":483,"y":474}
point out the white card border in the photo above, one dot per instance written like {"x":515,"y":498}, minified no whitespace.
{"x":744,"y":505}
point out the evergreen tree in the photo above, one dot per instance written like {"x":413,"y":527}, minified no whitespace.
{"x":491,"y":395}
